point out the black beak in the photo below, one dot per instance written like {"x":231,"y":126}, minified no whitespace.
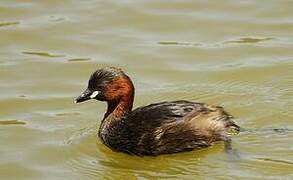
{"x":84,"y":96}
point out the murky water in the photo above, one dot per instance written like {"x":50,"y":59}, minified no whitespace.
{"x":237,"y":54}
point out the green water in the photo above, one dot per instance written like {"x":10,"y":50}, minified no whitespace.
{"x":237,"y":54}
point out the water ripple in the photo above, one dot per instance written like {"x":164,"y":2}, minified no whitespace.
{"x":43,"y":54}
{"x":2,"y":24}
{"x":248,"y":40}
{"x":12,"y":122}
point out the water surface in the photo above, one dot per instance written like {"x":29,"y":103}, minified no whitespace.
{"x":236,"y":54}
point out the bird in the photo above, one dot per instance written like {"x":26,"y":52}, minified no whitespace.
{"x":159,"y":128}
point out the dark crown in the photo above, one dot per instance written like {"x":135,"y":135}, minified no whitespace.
{"x":104,"y":76}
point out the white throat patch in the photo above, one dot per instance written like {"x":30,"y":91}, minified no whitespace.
{"x":94,"y":94}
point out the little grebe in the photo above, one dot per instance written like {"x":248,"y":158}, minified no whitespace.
{"x":161,"y":128}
